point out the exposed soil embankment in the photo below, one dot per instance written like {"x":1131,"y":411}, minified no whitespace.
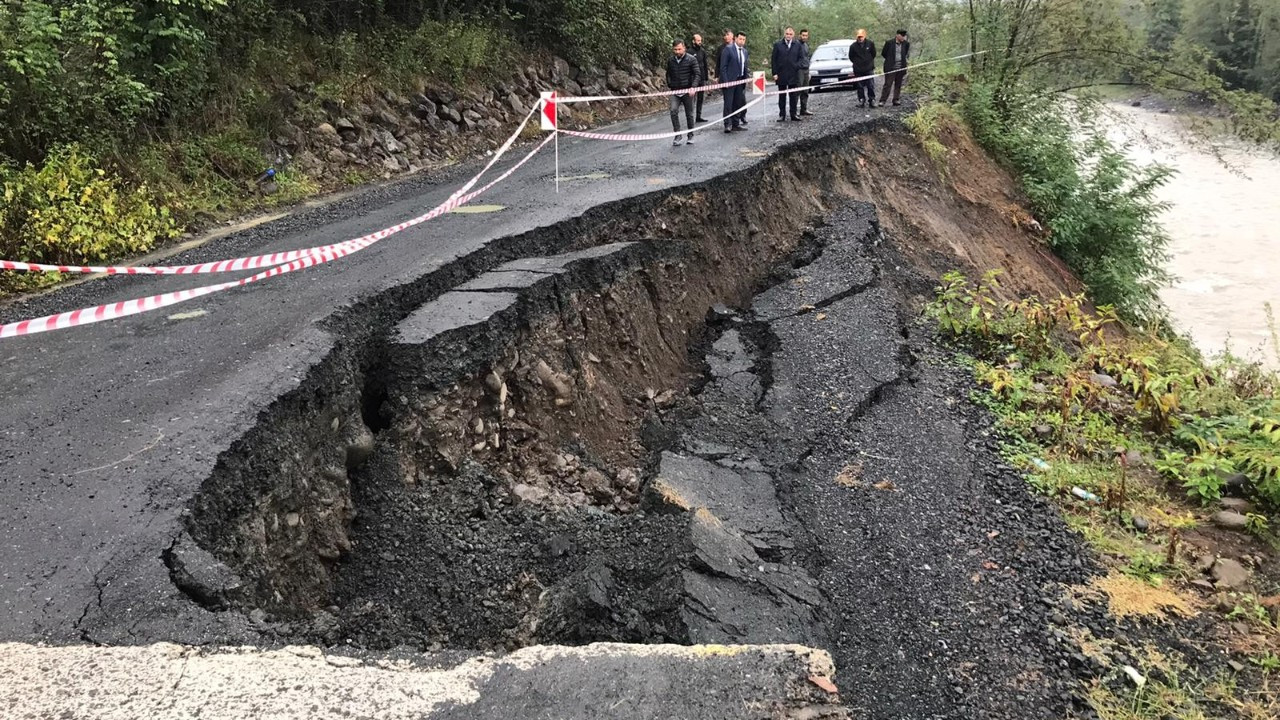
{"x":279,"y":509}
{"x":690,"y":417}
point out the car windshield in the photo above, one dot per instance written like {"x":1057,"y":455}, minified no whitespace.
{"x":832,"y":52}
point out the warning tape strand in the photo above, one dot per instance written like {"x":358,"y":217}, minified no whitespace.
{"x":242,"y":263}
{"x":659,"y":93}
{"x":112,"y":311}
{"x":621,"y":137}
{"x":658,"y":136}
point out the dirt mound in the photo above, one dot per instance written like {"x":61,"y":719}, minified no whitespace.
{"x":970,"y":216}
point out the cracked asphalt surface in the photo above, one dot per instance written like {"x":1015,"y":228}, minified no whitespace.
{"x":110,"y":428}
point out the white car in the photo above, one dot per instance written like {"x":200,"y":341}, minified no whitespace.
{"x":830,"y":63}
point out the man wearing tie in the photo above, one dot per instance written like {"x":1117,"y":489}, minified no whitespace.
{"x":733,"y":66}
{"x":785,"y":66}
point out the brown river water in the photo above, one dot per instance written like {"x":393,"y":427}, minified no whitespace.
{"x":1224,"y":224}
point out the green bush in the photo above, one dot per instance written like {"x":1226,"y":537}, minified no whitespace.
{"x":1099,"y":207}
{"x":69,"y":211}
{"x":1038,"y":359}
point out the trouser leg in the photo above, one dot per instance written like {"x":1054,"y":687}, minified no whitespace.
{"x":730,"y":104}
{"x":888,"y":84}
{"x":740,"y":100}
{"x":871,"y":90}
{"x":804,"y":94}
{"x":688,"y":113}
{"x":795,"y":103}
{"x":898,"y":81}
{"x":701,"y":95}
{"x":675,"y":112}
{"x":782,"y":99}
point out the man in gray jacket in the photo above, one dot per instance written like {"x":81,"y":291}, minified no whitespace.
{"x":804,"y":72}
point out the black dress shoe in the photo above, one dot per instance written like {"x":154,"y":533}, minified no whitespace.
{"x":782,"y":119}
{"x":805,"y":112}
{"x":795,"y":118}
{"x":728,"y":130}
{"x":701,"y":120}
{"x":740,"y":128}
{"x":896,"y":103}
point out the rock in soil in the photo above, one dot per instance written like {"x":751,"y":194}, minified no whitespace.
{"x":1229,"y":574}
{"x":1230,"y":520}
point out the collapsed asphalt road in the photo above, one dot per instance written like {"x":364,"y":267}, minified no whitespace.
{"x":109,"y":429}
{"x":698,"y":415}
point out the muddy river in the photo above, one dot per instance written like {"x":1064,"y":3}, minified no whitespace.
{"x":1224,"y":225}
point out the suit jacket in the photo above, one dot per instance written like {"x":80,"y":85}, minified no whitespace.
{"x":785,"y":62}
{"x":730,"y":68}
{"x":887,"y":54}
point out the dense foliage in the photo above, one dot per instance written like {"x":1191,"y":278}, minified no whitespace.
{"x":1098,"y":205}
{"x":70,"y":212}
{"x":1072,"y":394}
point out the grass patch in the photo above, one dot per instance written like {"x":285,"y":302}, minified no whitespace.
{"x":1128,"y":596}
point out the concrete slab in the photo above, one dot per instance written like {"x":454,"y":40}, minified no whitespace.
{"x":556,"y":264}
{"x":595,"y":681}
{"x":505,"y":280}
{"x":451,"y":311}
{"x":745,"y":500}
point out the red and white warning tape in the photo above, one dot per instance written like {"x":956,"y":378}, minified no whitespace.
{"x":111,"y":311}
{"x":659,"y":136}
{"x":242,"y":263}
{"x":660,"y":93}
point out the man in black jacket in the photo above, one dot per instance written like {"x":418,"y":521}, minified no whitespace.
{"x":862,"y":55}
{"x":699,"y":53}
{"x":804,"y":73}
{"x":784,"y":65}
{"x":683,"y":73}
{"x":895,"y":54}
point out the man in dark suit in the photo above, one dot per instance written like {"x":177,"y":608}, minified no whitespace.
{"x":785,"y":67}
{"x":728,"y":42}
{"x":895,"y":54}
{"x":699,"y":53}
{"x":733,"y":66}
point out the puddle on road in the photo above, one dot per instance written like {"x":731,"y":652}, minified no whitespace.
{"x":477,"y":209}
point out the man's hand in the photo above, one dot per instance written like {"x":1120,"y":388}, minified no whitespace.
{"x":775,"y":78}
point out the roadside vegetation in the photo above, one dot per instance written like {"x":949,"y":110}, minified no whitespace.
{"x":1168,"y":465}
{"x":1165,"y":461}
